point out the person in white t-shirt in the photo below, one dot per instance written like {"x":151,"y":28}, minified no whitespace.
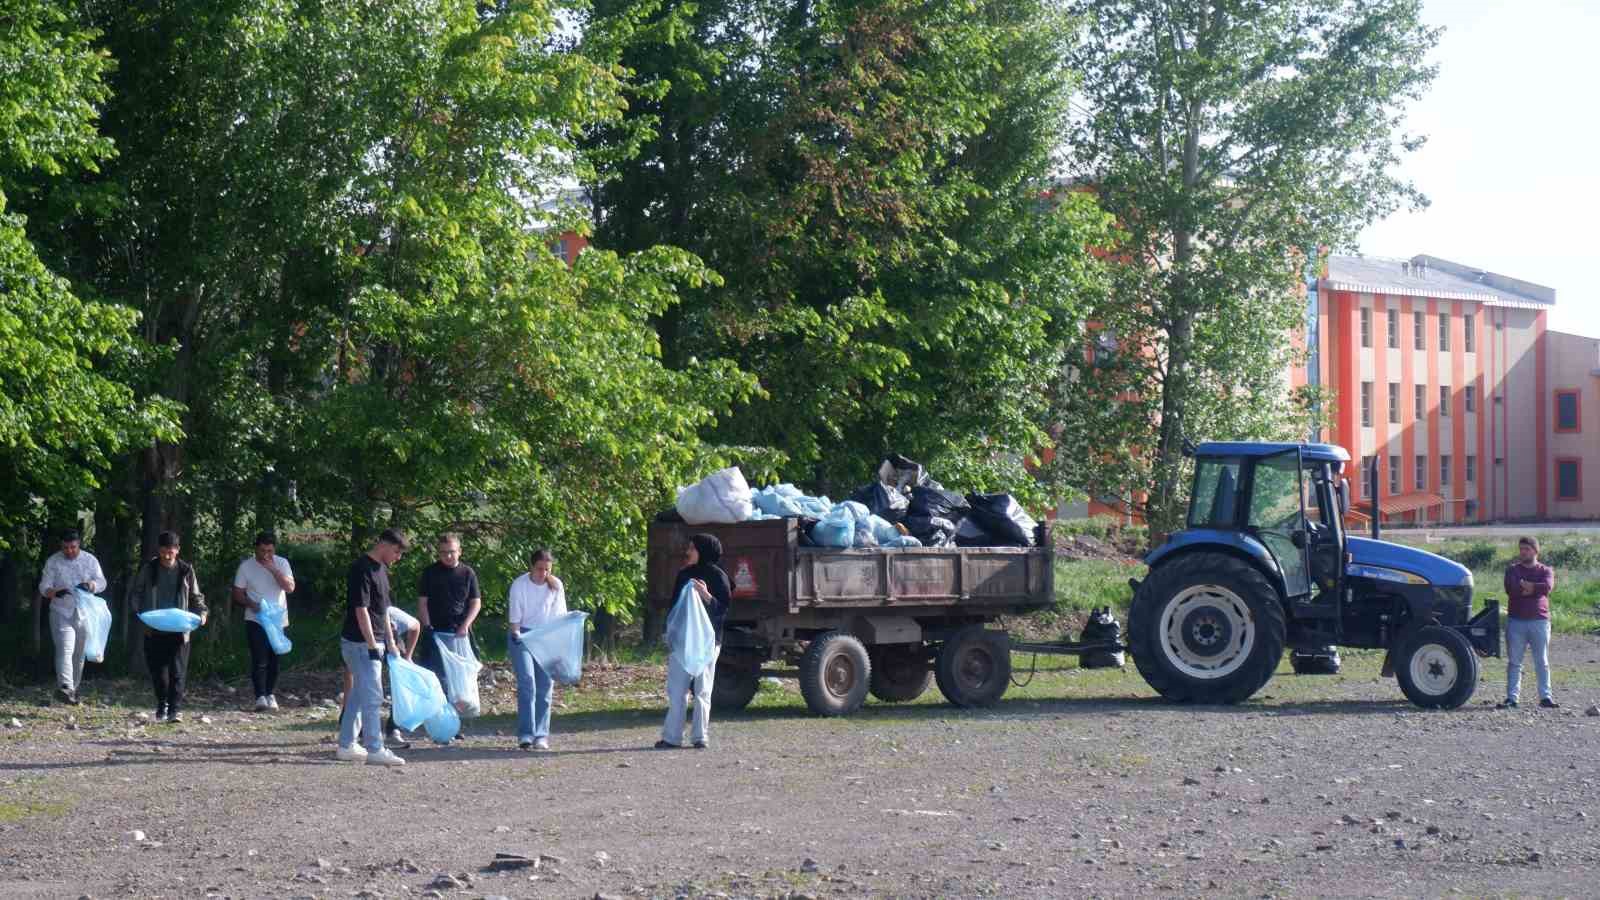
{"x":264,"y":577}
{"x":72,"y":568}
{"x":536,"y":597}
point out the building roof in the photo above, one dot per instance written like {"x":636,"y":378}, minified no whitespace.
{"x":1430,"y":276}
{"x":1315,"y":452}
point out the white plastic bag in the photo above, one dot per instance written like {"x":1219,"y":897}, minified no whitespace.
{"x":96,"y":617}
{"x":723,"y":497}
{"x":690,"y":635}
{"x":461,"y":669}
{"x":557,"y":646}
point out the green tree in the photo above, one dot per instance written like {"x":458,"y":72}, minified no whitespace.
{"x":1229,"y":138}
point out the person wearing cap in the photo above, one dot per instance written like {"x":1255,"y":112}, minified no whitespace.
{"x":263,"y":577}
{"x":712,"y":587}
{"x":70,"y":568}
{"x":1528,"y":586}
{"x":163,"y":582}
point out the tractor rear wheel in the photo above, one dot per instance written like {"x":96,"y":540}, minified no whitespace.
{"x":1206,"y":628}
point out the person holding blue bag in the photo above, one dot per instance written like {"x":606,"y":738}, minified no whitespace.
{"x":362,"y":641}
{"x":709,"y":585}
{"x":71,"y":568}
{"x":167,"y":582}
{"x":536,"y":598}
{"x":448,"y":602}
{"x":264,"y":578}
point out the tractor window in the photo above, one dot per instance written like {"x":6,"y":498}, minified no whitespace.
{"x":1275,"y":500}
{"x":1215,"y":501}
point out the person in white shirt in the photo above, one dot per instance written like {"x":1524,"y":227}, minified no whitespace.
{"x":264,"y":577}
{"x":71,"y":568}
{"x":536,"y":597}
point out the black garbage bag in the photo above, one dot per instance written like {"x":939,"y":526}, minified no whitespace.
{"x":670,"y":514}
{"x":1102,"y":627}
{"x":1002,"y":516}
{"x":806,"y":524}
{"x":900,"y":472}
{"x":928,"y":500}
{"x":970,"y":534}
{"x":882,"y":501}
{"x":932,"y":531}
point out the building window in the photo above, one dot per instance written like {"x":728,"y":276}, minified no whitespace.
{"x":1569,"y":419}
{"x":1470,"y":399}
{"x":1366,"y":404}
{"x":1366,"y":473}
{"x":1444,"y":399}
{"x":1394,"y":403}
{"x":1394,"y":475}
{"x":1472,"y":470}
{"x":1420,"y":482}
{"x":1422,"y":402}
{"x":1469,"y":341}
{"x":1472,"y":509}
{"x":1444,"y":474}
{"x":1444,"y":331}
{"x":1394,"y":329}
{"x":1569,"y":479}
{"x":1366,"y":327}
{"x":1419,"y":330}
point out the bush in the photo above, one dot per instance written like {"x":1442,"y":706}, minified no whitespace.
{"x":1577,"y":555}
{"x":1476,"y":557}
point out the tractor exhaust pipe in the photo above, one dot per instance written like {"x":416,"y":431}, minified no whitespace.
{"x":1372,"y":491}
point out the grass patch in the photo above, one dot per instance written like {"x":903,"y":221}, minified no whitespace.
{"x":16,"y":810}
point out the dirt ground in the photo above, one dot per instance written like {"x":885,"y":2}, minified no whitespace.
{"x":1079,"y":784}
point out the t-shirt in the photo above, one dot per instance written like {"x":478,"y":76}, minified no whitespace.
{"x":259,"y":584}
{"x":1533,"y":603}
{"x":367,"y":587}
{"x":167,"y":589}
{"x":530,"y":604}
{"x":449,"y":591}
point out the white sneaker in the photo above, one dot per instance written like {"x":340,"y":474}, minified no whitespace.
{"x":272,"y":701}
{"x":262,"y":704}
{"x":541,"y":743}
{"x":351,"y":754}
{"x":384,"y":757}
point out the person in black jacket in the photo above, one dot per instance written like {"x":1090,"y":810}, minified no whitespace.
{"x":167,"y":581}
{"x":711,"y":585}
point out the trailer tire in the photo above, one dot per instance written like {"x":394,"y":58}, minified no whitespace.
{"x":1206,"y":628}
{"x":737,"y":679}
{"x":900,"y":674}
{"x":974,"y":666}
{"x":834,"y":674}
{"x":1437,"y":668}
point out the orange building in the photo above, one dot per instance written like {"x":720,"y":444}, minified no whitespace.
{"x":1448,"y":379}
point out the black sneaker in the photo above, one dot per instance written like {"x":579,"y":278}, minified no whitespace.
{"x":1506,"y":704}
{"x":666,"y":745}
{"x":700,"y":745}
{"x":161,"y":713}
{"x":525,"y":745}
{"x":1547,"y":703}
{"x":174,"y":716}
{"x":64,"y":695}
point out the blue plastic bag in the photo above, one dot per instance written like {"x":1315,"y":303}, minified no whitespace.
{"x":858,"y":511}
{"x":171,"y":619}
{"x":836,"y":529}
{"x":778,"y":500}
{"x":271,"y":617}
{"x":815,"y":507}
{"x":690,"y":635}
{"x":96,"y":623}
{"x":461,"y":669}
{"x":882,"y":529}
{"x":416,"y":693}
{"x":902,"y":541}
{"x":444,"y":725}
{"x":557,"y":646}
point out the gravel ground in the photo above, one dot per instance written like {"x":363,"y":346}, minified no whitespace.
{"x":1078,"y":784}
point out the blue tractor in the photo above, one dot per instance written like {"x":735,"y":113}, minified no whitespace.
{"x":1265,"y":564}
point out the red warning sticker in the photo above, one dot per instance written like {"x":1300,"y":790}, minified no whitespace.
{"x":744,"y":578}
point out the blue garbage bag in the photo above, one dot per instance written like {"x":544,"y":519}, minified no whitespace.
{"x":836,"y":529}
{"x":557,"y":646}
{"x":171,"y":619}
{"x":690,"y":635}
{"x":461,"y":669}
{"x":444,"y":725}
{"x":864,"y":536}
{"x":779,"y":500}
{"x":815,"y":507}
{"x":882,"y":529}
{"x":416,"y":693}
{"x":902,"y":541}
{"x":271,"y":617}
{"x":97,"y":624}
{"x":858,"y":511}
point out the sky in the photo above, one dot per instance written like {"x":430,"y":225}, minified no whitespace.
{"x":1512,"y":163}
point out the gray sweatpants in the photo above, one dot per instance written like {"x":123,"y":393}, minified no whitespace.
{"x":71,"y":633}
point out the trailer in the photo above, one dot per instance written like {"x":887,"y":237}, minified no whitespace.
{"x":852,"y":622}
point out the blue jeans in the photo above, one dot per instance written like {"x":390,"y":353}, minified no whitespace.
{"x":1527,"y":634}
{"x":365,"y":702}
{"x":535,"y":690}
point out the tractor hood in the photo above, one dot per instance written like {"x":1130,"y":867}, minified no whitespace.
{"x":1394,"y":562}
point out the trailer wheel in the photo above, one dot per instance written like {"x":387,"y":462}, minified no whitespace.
{"x":900,"y":674}
{"x":974,"y":666}
{"x":1437,"y":668}
{"x":834,"y":674}
{"x":737,"y":679}
{"x":1206,"y":628}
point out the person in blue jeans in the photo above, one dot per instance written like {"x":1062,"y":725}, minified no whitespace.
{"x":367,"y":631}
{"x":1528,"y":586}
{"x":536,"y":597}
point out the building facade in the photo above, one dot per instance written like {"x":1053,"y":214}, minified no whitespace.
{"x":1447,"y":378}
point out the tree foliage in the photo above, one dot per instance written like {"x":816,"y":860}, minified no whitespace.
{"x":1230,"y":139}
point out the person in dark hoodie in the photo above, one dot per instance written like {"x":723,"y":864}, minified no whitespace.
{"x":1528,"y":586}
{"x":167,"y":581}
{"x":711,"y":585}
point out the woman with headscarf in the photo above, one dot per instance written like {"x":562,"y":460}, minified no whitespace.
{"x":711,"y":587}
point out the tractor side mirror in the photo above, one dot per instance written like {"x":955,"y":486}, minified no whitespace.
{"x":1344,"y":497}
{"x":1298,"y":538}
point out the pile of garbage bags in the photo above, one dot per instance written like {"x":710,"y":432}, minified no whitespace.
{"x":901,"y":507}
